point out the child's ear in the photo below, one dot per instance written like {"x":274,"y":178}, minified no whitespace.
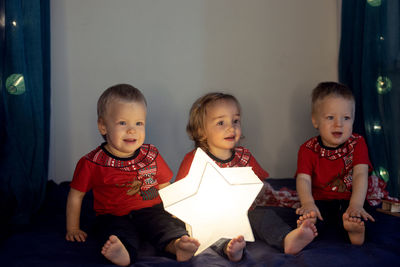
{"x":314,"y":121}
{"x":101,"y":126}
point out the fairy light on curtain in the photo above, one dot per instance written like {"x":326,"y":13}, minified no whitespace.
{"x":15,"y":83}
{"x":24,"y":108}
{"x":383,"y":87}
{"x":380,"y":77}
{"x":374,"y":3}
{"x":369,"y":62}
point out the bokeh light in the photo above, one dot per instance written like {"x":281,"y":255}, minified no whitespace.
{"x":383,"y":85}
{"x":384,"y":174}
{"x":15,"y":84}
{"x":374,"y":3}
{"x":376,"y":127}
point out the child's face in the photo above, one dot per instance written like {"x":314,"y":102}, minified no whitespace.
{"x":222,"y":128}
{"x":124,"y":127}
{"x":334,"y":117}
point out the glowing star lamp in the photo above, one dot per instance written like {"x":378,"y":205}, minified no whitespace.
{"x":213,"y":201}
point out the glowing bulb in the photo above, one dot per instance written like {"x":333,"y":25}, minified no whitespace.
{"x":374,"y":3}
{"x":14,"y":23}
{"x":377,"y":128}
{"x":384,"y":174}
{"x":383,"y":85}
{"x":15,"y":84}
{"x":381,"y":38}
{"x":2,"y":20}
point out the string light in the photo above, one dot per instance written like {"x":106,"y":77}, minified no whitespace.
{"x":14,"y":23}
{"x":383,"y":85}
{"x":2,"y":20}
{"x":15,"y":84}
{"x":374,"y":3}
{"x":377,"y":127}
{"x":384,"y":174}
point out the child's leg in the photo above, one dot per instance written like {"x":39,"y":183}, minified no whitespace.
{"x":183,"y":247}
{"x":269,"y":227}
{"x":118,"y":237}
{"x":331,"y":226}
{"x":300,"y":237}
{"x":234,"y":248}
{"x":115,"y":251}
{"x":355,"y":228}
{"x":167,"y":233}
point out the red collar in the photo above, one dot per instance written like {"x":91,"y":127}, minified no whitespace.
{"x":147,"y":154}
{"x":333,"y":154}
{"x":240,"y":158}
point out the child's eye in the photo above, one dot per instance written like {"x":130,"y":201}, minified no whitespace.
{"x":139,"y":123}
{"x":237,"y":121}
{"x":123,"y":123}
{"x":220,"y":123}
{"x":346,"y":118}
{"x":329,"y":117}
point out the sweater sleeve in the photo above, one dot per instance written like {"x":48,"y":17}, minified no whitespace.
{"x":82,"y":176}
{"x":361,"y":154}
{"x":185,"y":166}
{"x":257,"y":169}
{"x":164,"y":173}
{"x":304,"y":161}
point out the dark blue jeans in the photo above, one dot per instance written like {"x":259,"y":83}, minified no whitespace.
{"x":153,"y":224}
{"x":332,"y":212}
{"x":267,"y":226}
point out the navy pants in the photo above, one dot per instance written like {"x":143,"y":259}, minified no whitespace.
{"x":267,"y":226}
{"x":332,"y":212}
{"x":153,"y":224}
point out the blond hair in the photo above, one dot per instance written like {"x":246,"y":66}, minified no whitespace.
{"x":325,"y":89}
{"x":124,"y":92}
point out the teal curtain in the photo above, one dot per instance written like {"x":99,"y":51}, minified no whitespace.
{"x":369,"y":62}
{"x":24,"y":108}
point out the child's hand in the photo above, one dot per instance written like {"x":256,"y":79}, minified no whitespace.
{"x":76,"y":235}
{"x":307,"y":208}
{"x":354,"y":211}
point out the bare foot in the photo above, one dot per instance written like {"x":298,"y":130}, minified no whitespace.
{"x":300,"y":237}
{"x":355,"y":228}
{"x":184,"y":247}
{"x":115,"y":251}
{"x":310,"y":216}
{"x":234,"y":249}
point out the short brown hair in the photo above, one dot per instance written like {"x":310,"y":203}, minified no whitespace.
{"x":195,"y":126}
{"x":125,"y":92}
{"x":325,"y":89}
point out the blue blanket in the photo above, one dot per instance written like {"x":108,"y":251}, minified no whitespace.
{"x":43,"y":242}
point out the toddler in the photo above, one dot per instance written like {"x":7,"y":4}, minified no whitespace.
{"x":333,"y":168}
{"x":214,"y":126}
{"x":125,"y":176}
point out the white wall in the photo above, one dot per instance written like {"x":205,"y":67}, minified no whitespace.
{"x":268,"y":53}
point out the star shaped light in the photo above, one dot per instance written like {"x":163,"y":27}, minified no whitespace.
{"x":213,"y":201}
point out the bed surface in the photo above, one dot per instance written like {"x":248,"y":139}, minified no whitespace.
{"x":42,"y":243}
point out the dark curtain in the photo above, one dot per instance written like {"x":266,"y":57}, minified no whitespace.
{"x":24,"y":108}
{"x":369,"y":62}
